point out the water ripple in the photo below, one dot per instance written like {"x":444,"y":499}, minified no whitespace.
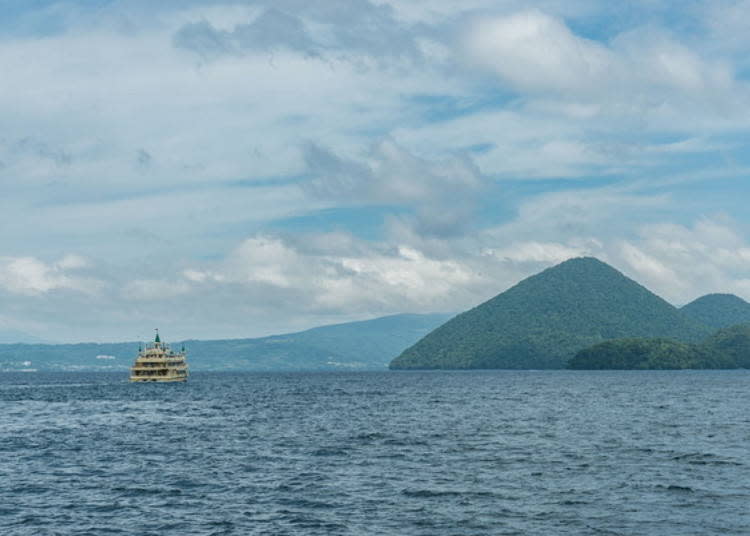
{"x":526,"y":453}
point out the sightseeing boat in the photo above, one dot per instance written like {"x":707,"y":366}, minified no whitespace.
{"x":157,"y":362}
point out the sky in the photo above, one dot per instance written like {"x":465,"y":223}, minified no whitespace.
{"x":221,"y":168}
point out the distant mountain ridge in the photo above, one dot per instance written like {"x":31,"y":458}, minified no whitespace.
{"x":719,"y":310}
{"x":14,"y":336}
{"x":545,"y":319}
{"x":368,"y":344}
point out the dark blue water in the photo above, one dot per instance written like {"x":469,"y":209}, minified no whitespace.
{"x":547,"y":453}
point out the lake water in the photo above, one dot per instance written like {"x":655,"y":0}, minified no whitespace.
{"x":392,"y":453}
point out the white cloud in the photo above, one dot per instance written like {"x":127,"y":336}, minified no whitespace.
{"x":438,"y":11}
{"x":540,"y":252}
{"x":154,"y":289}
{"x":367,"y":278}
{"x":644,"y":80}
{"x":442,"y":192}
{"x":31,"y":276}
{"x":537,"y":52}
{"x":519,"y":143}
{"x":727,"y":24}
{"x":684,"y":262}
{"x":71,"y":262}
{"x":647,"y":265}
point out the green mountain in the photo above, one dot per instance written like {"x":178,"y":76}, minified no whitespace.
{"x":728,"y":348}
{"x":545,"y":319}
{"x":719,"y":310}
{"x":369,"y":344}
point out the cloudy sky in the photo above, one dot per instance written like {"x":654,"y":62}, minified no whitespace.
{"x":224,"y":168}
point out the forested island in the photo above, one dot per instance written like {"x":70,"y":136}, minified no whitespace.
{"x":727,"y":349}
{"x":583,"y":313}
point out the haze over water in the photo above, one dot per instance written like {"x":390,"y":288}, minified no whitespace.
{"x":432,"y":453}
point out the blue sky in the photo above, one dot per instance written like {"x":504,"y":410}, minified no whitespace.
{"x":239,"y":168}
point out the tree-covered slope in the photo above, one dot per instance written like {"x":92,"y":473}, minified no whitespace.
{"x":545,"y":319}
{"x":368,"y":344}
{"x":728,"y":348}
{"x":718,"y":310}
{"x":629,"y":354}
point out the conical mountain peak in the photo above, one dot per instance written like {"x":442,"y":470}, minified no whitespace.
{"x":543,"y":320}
{"x":583,"y":266}
{"x":582,"y":261}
